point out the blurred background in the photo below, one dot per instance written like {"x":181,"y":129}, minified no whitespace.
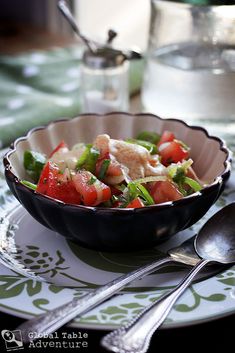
{"x":27,"y":24}
{"x":40,"y":58}
{"x":187,"y":69}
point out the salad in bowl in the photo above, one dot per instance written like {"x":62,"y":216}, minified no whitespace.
{"x":117,"y":181}
{"x":132,"y":173}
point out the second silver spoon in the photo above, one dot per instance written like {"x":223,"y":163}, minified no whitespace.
{"x":54,"y":319}
{"x":215,"y":242}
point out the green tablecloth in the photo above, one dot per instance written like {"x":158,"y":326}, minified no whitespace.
{"x":41,"y":86}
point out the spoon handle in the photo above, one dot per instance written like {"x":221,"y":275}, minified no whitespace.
{"x":63,"y":7}
{"x":136,"y":335}
{"x":54,"y":319}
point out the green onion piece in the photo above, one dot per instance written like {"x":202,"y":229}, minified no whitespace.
{"x":83,"y":157}
{"x":133,"y":191}
{"x":92,"y":180}
{"x":88,"y":159}
{"x":148,"y":145}
{"x":92,"y":159}
{"x":29,"y":185}
{"x":145,"y":195}
{"x":34,"y":163}
{"x":186,"y":164}
{"x":150,"y":179}
{"x":149,"y":136}
{"x":103,"y":169}
{"x":193,"y":184}
{"x":172,"y":170}
{"x":181,"y":188}
{"x":136,"y":189}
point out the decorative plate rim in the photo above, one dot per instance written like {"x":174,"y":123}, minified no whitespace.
{"x":170,"y":325}
{"x":190,"y":321}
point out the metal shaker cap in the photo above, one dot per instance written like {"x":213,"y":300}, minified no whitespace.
{"x":98,"y":56}
{"x":104,"y":57}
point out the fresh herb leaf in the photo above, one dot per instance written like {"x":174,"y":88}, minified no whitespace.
{"x":34,"y":163}
{"x":149,"y":136}
{"x":179,"y":175}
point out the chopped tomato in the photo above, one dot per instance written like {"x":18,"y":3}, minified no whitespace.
{"x":136,"y":203}
{"x":163,"y":191}
{"x":91,"y":189}
{"x":172,"y":152}
{"x":55,"y":185}
{"x":167,"y":136}
{"x":114,"y":168}
{"x":64,"y":191}
{"x":61,"y":145}
{"x":42,"y":185}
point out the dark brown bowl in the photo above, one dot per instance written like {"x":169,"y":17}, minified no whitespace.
{"x":119,"y":229}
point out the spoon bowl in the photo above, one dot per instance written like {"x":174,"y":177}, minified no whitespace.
{"x":216,"y":239}
{"x":215,"y":242}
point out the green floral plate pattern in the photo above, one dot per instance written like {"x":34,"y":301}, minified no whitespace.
{"x":65,"y":270}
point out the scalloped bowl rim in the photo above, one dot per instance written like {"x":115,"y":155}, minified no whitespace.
{"x":218,"y":179}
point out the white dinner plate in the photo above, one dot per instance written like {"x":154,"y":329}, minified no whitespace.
{"x":64,"y":269}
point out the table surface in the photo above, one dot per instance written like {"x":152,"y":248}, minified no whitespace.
{"x":19,"y":38}
{"x":217,"y":334}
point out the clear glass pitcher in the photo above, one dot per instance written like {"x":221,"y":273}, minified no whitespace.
{"x":190,"y":65}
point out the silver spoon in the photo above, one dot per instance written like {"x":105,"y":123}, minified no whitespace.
{"x":215,"y":242}
{"x":54,"y":319}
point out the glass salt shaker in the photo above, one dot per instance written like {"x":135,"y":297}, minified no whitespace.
{"x":104,"y":81}
{"x":104,"y":71}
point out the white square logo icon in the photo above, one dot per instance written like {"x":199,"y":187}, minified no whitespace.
{"x":13,"y":340}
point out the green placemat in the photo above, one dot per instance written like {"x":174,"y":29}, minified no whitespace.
{"x":38,"y":87}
